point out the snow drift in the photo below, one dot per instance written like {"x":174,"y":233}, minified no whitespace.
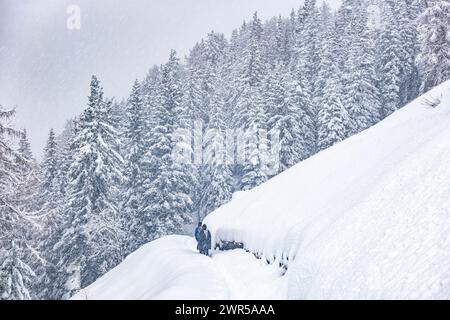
{"x":367,"y":218}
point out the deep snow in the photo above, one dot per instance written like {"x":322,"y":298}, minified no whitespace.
{"x":367,"y":218}
{"x":168,"y":268}
{"x":171,"y":268}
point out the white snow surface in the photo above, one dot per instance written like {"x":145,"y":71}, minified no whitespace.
{"x":366,"y":219}
{"x":168,"y":268}
{"x":171,"y":268}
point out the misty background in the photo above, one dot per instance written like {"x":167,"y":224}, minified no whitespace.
{"x":45,"y":68}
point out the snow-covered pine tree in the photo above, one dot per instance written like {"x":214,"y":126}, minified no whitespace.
{"x":167,"y":192}
{"x":29,"y":177}
{"x":433,"y":60}
{"x":90,"y":235}
{"x":361,"y":95}
{"x":333,"y":120}
{"x":193,"y":86}
{"x":25,"y":148}
{"x":283,"y":38}
{"x":307,"y":42}
{"x":287,"y":104}
{"x":204,"y":103}
{"x":49,"y":194}
{"x":391,"y":60}
{"x":54,"y":187}
{"x":407,"y":14}
{"x":411,"y":42}
{"x":250,"y":117}
{"x":195,"y":117}
{"x":344,"y":31}
{"x":64,"y":155}
{"x":49,"y":166}
{"x":135,"y":149}
{"x":16,"y":275}
{"x":50,"y":202}
{"x":333,"y":117}
{"x":217,"y":176}
{"x":253,"y":139}
{"x":254,"y":64}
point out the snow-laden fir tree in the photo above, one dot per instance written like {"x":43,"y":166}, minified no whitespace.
{"x":344,"y":31}
{"x":207,"y":93}
{"x":50,"y":199}
{"x":49,"y":166}
{"x":217,"y":176}
{"x":407,"y":20}
{"x":16,"y":275}
{"x":287,"y":104}
{"x":25,"y":149}
{"x":254,"y":64}
{"x":134,"y":150}
{"x":392,"y":57}
{"x":361,"y":95}
{"x":50,"y":203}
{"x":168,"y":192}
{"x":29,"y":177}
{"x":64,"y":154}
{"x":307,"y":42}
{"x":252,"y":139}
{"x":90,"y":235}
{"x":250,"y":117}
{"x":333,"y":120}
{"x":433,"y":60}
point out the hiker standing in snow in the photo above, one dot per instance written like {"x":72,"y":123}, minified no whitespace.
{"x":197,"y":232}
{"x":206,"y":241}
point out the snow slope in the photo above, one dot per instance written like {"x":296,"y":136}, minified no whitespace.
{"x":168,"y":268}
{"x":367,"y":218}
{"x":171,"y":268}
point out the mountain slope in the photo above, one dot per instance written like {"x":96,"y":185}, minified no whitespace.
{"x":367,"y":218}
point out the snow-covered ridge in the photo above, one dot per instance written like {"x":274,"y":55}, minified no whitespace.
{"x":367,"y":218}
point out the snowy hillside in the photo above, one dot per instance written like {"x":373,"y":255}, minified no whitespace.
{"x":367,"y":218}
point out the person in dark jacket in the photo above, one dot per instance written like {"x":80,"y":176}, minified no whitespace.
{"x":206,"y":241}
{"x":201,"y":239}
{"x":197,"y":230}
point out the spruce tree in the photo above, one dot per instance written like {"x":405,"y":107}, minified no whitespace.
{"x":287,"y":105}
{"x":333,"y":120}
{"x":217,"y":176}
{"x":433,"y":60}
{"x":391,"y":63}
{"x":167,"y":192}
{"x":90,"y":236}
{"x":250,"y":117}
{"x":135,"y":148}
{"x":361,"y":93}
{"x":16,"y":275}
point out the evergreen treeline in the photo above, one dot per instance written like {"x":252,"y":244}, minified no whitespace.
{"x":109,"y":182}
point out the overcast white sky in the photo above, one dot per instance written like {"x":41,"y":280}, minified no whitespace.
{"x":45,"y":68}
